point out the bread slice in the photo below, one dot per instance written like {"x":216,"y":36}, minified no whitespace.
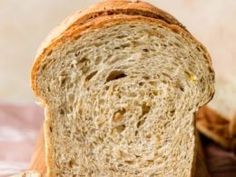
{"x":224,"y":101}
{"x":217,"y":121}
{"x":120,"y":84}
{"x":216,"y":127}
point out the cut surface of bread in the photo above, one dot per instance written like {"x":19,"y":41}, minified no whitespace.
{"x":120,"y":92}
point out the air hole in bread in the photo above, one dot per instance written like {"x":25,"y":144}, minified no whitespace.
{"x":83,"y":60}
{"x":146,"y":77}
{"x":48,"y":89}
{"x":132,"y":26}
{"x":172,"y":112}
{"x":121,"y":36}
{"x":177,"y":44}
{"x":62,"y":81}
{"x":120,"y":165}
{"x":119,"y":115}
{"x":211,"y":70}
{"x":141,"y":83}
{"x":50,"y":129}
{"x":71,"y":163}
{"x":181,"y":88}
{"x":114,"y":75}
{"x":205,"y":56}
{"x":122,"y":46}
{"x":73,"y":64}
{"x":118,"y":47}
{"x":62,"y":112}
{"x":199,"y":49}
{"x":145,"y":109}
{"x":77,"y":53}
{"x":166,"y":74}
{"x":164,"y":45}
{"x":141,"y":122}
{"x":120,"y":128}
{"x":154,"y":92}
{"x":201,"y":80}
{"x":91,"y":75}
{"x":43,"y":67}
{"x":150,"y":161}
{"x":153,"y":83}
{"x":145,"y":50}
{"x":129,"y":162}
{"x":106,"y":87}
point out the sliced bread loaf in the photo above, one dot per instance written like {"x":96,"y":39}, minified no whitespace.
{"x":120,"y":84}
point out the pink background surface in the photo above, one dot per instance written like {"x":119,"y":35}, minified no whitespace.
{"x":19,"y":128}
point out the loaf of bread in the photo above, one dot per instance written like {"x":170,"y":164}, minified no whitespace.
{"x":120,"y":83}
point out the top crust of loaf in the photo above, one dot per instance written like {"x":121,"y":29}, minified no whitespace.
{"x":106,"y":8}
